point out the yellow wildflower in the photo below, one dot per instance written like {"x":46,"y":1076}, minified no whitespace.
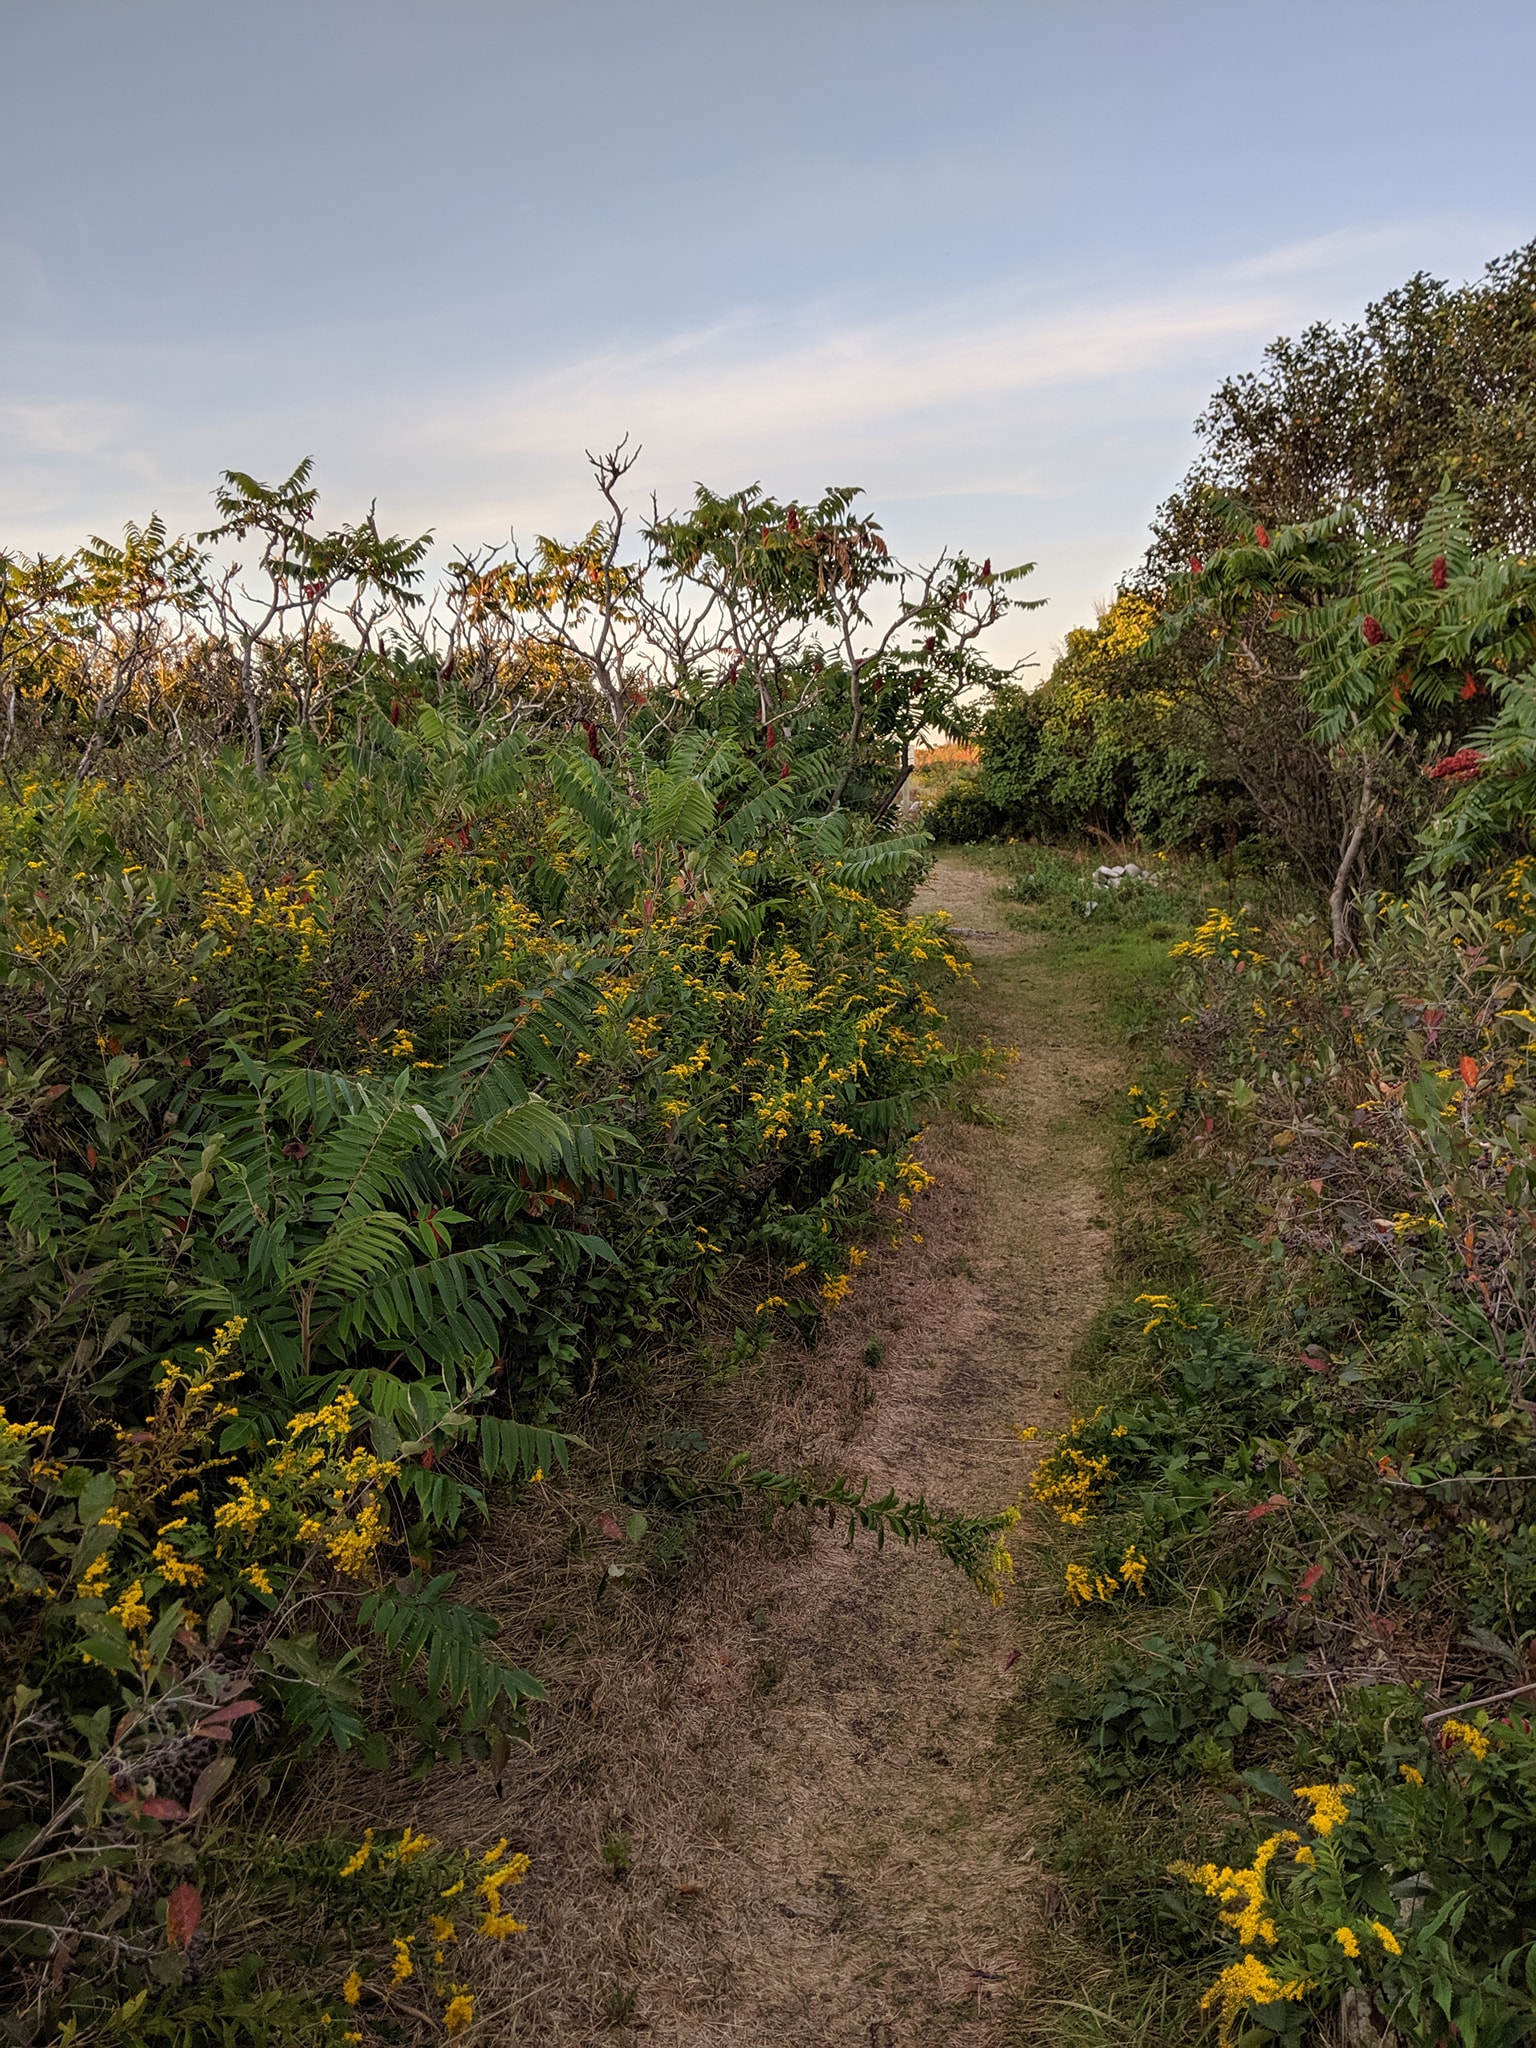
{"x":244,"y":1512}
{"x":174,"y":1569}
{"x":1411,"y":1776}
{"x":359,"y":1857}
{"x":131,"y":1609}
{"x":1348,"y":1940}
{"x":1079,"y":1583}
{"x":458,"y":2013}
{"x":95,"y":1578}
{"x":352,"y":1990}
{"x":1133,"y":1570}
{"x":402,"y":1966}
{"x":1328,"y":1808}
{"x":1470,"y":1738}
{"x":1249,"y":1982}
{"x":1243,"y":1889}
{"x":1387,"y":1938}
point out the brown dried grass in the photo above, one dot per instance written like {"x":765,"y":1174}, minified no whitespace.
{"x":827,"y":1845}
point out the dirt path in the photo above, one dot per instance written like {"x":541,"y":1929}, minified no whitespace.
{"x":823,"y":1855}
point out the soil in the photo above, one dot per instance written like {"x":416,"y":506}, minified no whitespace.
{"x":815,"y":1838}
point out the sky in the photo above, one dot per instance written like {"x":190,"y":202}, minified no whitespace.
{"x":986,"y":260}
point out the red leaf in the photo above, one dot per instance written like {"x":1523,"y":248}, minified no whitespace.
{"x":163,"y":1809}
{"x":183,"y":1911}
{"x":1437,"y":573}
{"x":219,"y":1725}
{"x":1011,"y":1659}
{"x":1469,"y":1070}
{"x":607,"y":1526}
{"x":1272,"y":1506}
{"x":1316,"y":1362}
{"x":1309,"y":1579}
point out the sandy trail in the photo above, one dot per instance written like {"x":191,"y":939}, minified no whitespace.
{"x":828,"y":1850}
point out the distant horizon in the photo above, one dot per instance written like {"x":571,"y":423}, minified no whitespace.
{"x":987,"y":262}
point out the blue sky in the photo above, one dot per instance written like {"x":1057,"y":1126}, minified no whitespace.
{"x":985,"y":259}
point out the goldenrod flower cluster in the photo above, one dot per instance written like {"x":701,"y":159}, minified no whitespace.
{"x":1220,"y":937}
{"x":1454,"y":1732}
{"x":1251,"y":1912}
{"x":1328,"y":1808}
{"x":286,"y":918}
{"x":1250,"y":1982}
{"x":1067,"y":1478}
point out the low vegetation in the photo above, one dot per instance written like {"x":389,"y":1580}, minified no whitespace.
{"x":1291,"y":1530}
{"x":419,"y":1020}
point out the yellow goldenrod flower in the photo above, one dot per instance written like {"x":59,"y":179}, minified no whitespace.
{"x":1249,"y":1982}
{"x":1412,"y":1776}
{"x":1243,"y":1889}
{"x":352,"y":1989}
{"x":1463,"y":1732}
{"x":497,"y":1926}
{"x":1387,"y":1938}
{"x":95,"y":1579}
{"x":402,"y":1966}
{"x":1348,"y":1940}
{"x":359,"y":1857}
{"x":131,"y":1609}
{"x":459,"y":2013}
{"x":1328,"y":1808}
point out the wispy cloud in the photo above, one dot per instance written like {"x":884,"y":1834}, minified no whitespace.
{"x":1048,"y":413}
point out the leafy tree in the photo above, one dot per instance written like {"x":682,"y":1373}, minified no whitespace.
{"x":1394,"y":647}
{"x":1434,"y":382}
{"x":1106,"y":746}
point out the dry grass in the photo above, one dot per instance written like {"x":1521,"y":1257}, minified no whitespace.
{"x":787,"y":1748}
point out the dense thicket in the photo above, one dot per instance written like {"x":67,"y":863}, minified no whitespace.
{"x":420,"y":1012}
{"x":1330,"y":644}
{"x":1310,"y":1474}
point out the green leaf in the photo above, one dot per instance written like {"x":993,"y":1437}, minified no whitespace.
{"x":96,"y":1496}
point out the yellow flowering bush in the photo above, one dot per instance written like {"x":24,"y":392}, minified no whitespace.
{"x":456,"y":1905}
{"x":1370,"y":1894}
